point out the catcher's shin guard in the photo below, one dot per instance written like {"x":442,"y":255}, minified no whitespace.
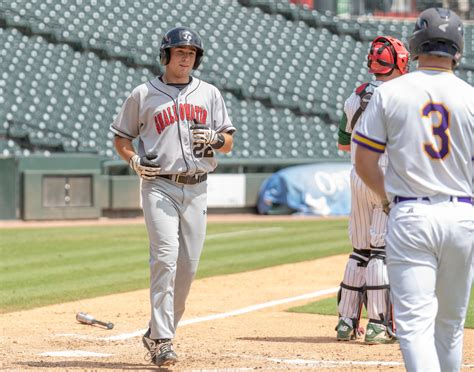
{"x":350,"y":299}
{"x":379,"y":306}
{"x":359,"y":302}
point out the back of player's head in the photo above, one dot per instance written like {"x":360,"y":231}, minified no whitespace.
{"x":439,"y":32}
{"x":387,"y":53}
{"x":181,"y":36}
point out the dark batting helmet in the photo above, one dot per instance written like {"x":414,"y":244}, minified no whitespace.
{"x":387,"y":53}
{"x":180,"y":36}
{"x":439,"y":32}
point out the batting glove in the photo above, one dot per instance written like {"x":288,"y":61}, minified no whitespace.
{"x":144,"y":167}
{"x":209,"y":137}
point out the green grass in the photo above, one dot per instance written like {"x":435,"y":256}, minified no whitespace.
{"x":328,"y":306}
{"x":41,"y":266}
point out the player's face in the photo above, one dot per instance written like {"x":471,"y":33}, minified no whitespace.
{"x":181,"y":61}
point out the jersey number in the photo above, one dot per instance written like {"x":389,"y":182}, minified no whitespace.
{"x":440,"y":129}
{"x":202,"y":151}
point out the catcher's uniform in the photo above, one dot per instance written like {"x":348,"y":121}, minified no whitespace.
{"x":365,"y":273}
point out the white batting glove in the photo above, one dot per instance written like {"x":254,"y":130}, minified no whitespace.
{"x":144,"y":167}
{"x":209,"y":137}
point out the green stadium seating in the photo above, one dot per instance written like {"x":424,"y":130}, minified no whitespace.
{"x":279,"y":65}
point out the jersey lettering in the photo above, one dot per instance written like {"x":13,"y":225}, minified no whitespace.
{"x":159,"y":123}
{"x":188,"y":111}
{"x":172,"y":114}
{"x":175,"y":113}
{"x":182,"y":112}
{"x":166,"y":115}
{"x":440,"y":129}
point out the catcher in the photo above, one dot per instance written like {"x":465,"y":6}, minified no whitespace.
{"x":365,"y":277}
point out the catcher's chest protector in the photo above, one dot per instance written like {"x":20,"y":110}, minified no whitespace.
{"x":365,"y":92}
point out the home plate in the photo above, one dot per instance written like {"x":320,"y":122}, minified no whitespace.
{"x":74,"y":353}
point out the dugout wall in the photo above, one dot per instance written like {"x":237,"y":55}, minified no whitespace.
{"x":84,"y":186}
{"x":8,"y":189}
{"x":52,"y":187}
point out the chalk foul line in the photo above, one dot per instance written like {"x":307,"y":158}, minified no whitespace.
{"x":248,"y":309}
{"x":245,"y":310}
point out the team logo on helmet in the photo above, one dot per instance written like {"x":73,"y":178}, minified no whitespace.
{"x":443,"y":27}
{"x":187,"y":35}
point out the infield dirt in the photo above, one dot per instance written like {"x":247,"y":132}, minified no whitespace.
{"x":266,"y":339}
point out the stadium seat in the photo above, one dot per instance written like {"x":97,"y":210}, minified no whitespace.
{"x":272,"y":60}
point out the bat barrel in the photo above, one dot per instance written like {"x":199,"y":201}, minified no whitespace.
{"x":89,"y":319}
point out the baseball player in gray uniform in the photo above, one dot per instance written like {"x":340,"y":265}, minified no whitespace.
{"x":365,"y":277}
{"x":425,"y":122}
{"x":180,"y":122}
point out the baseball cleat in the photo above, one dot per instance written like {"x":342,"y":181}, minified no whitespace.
{"x":160,"y":352}
{"x":377,"y":334}
{"x":344,"y":331}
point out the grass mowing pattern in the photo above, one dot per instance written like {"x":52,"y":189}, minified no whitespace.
{"x":52,"y":265}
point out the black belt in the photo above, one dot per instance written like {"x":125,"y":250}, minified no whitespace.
{"x":461,"y":199}
{"x":185,"y":179}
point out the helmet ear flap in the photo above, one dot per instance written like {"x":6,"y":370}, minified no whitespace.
{"x":165,"y":56}
{"x":197,"y":61}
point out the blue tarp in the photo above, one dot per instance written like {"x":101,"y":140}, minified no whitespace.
{"x":313,"y":189}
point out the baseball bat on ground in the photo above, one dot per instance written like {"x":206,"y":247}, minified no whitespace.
{"x":89,"y":319}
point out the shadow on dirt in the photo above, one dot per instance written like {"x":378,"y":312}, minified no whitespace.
{"x":90,"y":365}
{"x":307,"y":340}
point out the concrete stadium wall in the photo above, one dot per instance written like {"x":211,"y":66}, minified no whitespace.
{"x":79,"y":187}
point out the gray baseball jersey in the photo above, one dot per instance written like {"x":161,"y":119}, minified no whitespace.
{"x":175,"y":211}
{"x":160,"y":115}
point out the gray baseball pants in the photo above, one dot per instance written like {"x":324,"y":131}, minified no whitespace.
{"x":175,"y":216}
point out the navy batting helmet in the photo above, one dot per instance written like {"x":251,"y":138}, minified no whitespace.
{"x":180,"y":36}
{"x":440,"y":32}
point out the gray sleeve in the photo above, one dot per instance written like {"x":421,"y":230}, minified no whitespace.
{"x":126,"y":124}
{"x":222,"y":123}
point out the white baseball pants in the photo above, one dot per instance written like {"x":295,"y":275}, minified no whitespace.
{"x":429,"y":262}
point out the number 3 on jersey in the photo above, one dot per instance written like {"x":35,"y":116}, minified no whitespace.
{"x":440,"y":129}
